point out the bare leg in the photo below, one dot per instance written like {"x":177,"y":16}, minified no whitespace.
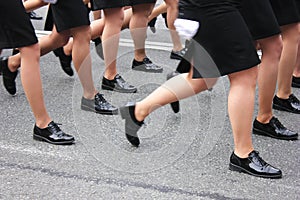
{"x":242,"y":89}
{"x":179,"y":87}
{"x":171,"y":17}
{"x":271,"y":50}
{"x":138,"y":28}
{"x":82,"y":59}
{"x":32,"y":84}
{"x":162,"y":8}
{"x":296,"y":72}
{"x":290,"y":36}
{"x":110,"y":38}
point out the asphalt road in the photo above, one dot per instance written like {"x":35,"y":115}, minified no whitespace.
{"x":181,"y":156}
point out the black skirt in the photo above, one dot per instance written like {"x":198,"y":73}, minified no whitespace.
{"x":69,"y":14}
{"x":286,"y":11}
{"x":103,"y":4}
{"x":222,"y":45}
{"x":260,"y":18}
{"x":16,"y":28}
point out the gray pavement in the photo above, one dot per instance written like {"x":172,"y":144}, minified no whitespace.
{"x":181,"y":156}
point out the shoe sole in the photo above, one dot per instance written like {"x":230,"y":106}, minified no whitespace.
{"x":264,"y":133}
{"x":144,"y":70}
{"x":40,"y":138}
{"x":86,"y":108}
{"x":175,"y":57}
{"x":105,"y":87}
{"x":295,"y":85}
{"x":236,"y":168}
{"x":278,"y":107}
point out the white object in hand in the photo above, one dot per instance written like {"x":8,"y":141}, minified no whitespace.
{"x":186,"y":28}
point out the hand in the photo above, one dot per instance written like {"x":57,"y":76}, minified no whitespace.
{"x":186,"y":28}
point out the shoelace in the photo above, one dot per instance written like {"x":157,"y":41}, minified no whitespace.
{"x":55,"y":129}
{"x":278,"y":123}
{"x":122,"y":81}
{"x":147,"y":61}
{"x":257,"y":159}
{"x":294,"y":99}
{"x":100,"y":98}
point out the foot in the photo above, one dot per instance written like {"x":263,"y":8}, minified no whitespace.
{"x":174,"y":105}
{"x":52,"y":134}
{"x":33,"y":15}
{"x":99,"y":48}
{"x":178,"y":55}
{"x":254,"y":165}
{"x":132,"y":125}
{"x":273,"y":129}
{"x":65,"y":61}
{"x":9,"y":78}
{"x":292,"y":104}
{"x":146,"y":65}
{"x":151,"y":24}
{"x":118,"y":84}
{"x":296,"y":82}
{"x":98,"y":105}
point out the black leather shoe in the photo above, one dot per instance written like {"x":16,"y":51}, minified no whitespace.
{"x":254,"y":165}
{"x":52,"y":134}
{"x":98,"y":105}
{"x":178,"y":55}
{"x":33,"y":15}
{"x":132,"y":125}
{"x":296,"y":82}
{"x":146,"y":66}
{"x":164,"y":15}
{"x":118,"y":84}
{"x":174,"y":105}
{"x":99,"y":48}
{"x":9,"y":78}
{"x":274,"y":129}
{"x":65,"y":61}
{"x":292,"y":104}
{"x":151,"y":24}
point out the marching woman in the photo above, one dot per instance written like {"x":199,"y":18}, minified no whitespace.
{"x":71,"y":19}
{"x":263,"y":25}
{"x":17,"y":32}
{"x":221,"y":46}
{"x":288,"y":16}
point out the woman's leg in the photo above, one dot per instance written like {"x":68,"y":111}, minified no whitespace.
{"x":177,"y":88}
{"x":162,"y":8}
{"x":271,"y":48}
{"x":110,"y":39}
{"x":240,"y":108}
{"x":290,"y":36}
{"x":32,"y":84}
{"x":171,"y":17}
{"x":82,"y":59}
{"x":138,"y":28}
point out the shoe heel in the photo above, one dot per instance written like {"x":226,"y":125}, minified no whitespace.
{"x":234,"y":168}
{"x":86,"y":108}
{"x":277,"y":107}
{"x":123,"y":112}
{"x":35,"y":137}
{"x":105,"y":87}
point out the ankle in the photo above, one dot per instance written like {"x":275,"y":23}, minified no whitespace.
{"x":264,"y":118}
{"x":43,"y":123}
{"x":243,"y":153}
{"x":139,"y":113}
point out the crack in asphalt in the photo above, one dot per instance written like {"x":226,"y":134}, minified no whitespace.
{"x":117,"y":182}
